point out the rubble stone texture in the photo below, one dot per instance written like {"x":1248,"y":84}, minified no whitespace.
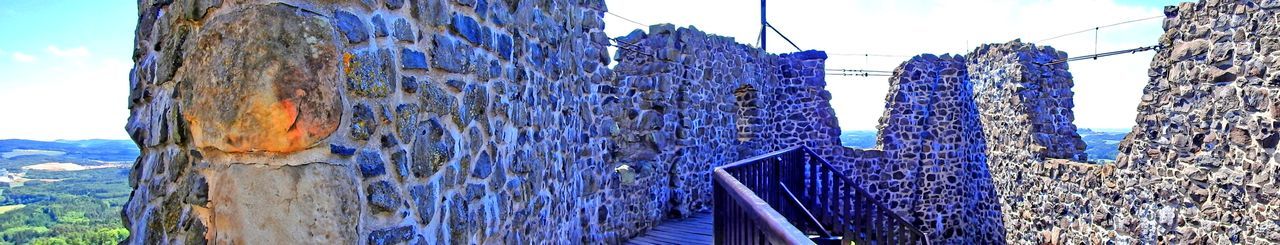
{"x":934,"y":153}
{"x":1198,"y":167}
{"x":500,"y":121}
{"x":434,"y":121}
{"x":1025,"y":105}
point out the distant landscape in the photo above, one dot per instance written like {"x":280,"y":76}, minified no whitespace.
{"x":71,"y":192}
{"x":64,"y":192}
{"x":1101,"y":143}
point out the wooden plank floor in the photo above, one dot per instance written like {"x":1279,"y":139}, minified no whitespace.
{"x":694,"y":230}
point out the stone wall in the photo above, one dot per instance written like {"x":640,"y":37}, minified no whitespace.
{"x":495,"y":121}
{"x":933,"y":168}
{"x":1199,"y":165}
{"x":433,"y":121}
{"x":700,"y":83}
{"x":1026,"y":103}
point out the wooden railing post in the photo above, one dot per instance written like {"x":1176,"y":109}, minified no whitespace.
{"x":756,"y":201}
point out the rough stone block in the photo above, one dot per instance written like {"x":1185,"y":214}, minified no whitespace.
{"x":279,"y":95}
{"x":351,"y":26}
{"x":412,"y":59}
{"x":383,"y":196}
{"x":371,"y":164}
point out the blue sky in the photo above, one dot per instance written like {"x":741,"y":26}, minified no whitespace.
{"x":64,"y":68}
{"x":64,"y":64}
{"x":1107,"y":90}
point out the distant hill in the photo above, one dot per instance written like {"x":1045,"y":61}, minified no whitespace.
{"x":15,"y":153}
{"x":1100,"y":143}
{"x":859,"y":139}
{"x":62,"y":202}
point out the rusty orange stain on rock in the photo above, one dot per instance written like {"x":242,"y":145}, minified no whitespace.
{"x":267,"y":88}
{"x":346,"y":62}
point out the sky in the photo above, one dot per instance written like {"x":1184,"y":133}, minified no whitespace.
{"x":64,"y":68}
{"x":64,"y":64}
{"x":1107,"y":91}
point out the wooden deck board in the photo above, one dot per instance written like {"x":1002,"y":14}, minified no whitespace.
{"x":693,"y":230}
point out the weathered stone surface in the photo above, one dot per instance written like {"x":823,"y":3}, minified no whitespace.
{"x":342,"y":150}
{"x":935,"y":153}
{"x":495,"y":139}
{"x":363,"y":122}
{"x":432,"y":147}
{"x":389,"y":141}
{"x":383,"y":196}
{"x":436,"y":101}
{"x":475,"y":99}
{"x":403,"y":31}
{"x":424,"y":198}
{"x":406,"y":120}
{"x":393,"y":4}
{"x":379,"y":26}
{"x":371,"y":164}
{"x":409,"y":84}
{"x":400,"y":159}
{"x":193,"y":9}
{"x":271,"y":87}
{"x":447,"y":54}
{"x":370,"y":73}
{"x":503,"y":45}
{"x":351,"y":26}
{"x":466,"y":27}
{"x":483,"y":166}
{"x":282,"y":204}
{"x":410,"y":59}
{"x":397,"y":235}
{"x":172,"y":53}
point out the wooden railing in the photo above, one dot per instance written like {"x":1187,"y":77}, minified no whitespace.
{"x":792,"y":196}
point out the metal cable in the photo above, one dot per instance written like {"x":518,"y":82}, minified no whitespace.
{"x":628,"y":20}
{"x":784,"y":37}
{"x":1099,"y":55}
{"x":1100,"y":27}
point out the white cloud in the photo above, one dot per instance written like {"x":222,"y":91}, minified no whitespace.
{"x":73,"y":100}
{"x":1107,"y":90}
{"x":77,"y":52}
{"x":24,"y":58}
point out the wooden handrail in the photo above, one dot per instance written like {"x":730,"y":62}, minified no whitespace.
{"x":791,"y":196}
{"x":774,"y":225}
{"x":749,"y":193}
{"x":874,"y":202}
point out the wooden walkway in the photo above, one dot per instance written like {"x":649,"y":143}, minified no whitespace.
{"x":694,"y":230}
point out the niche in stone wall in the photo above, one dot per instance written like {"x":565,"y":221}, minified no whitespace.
{"x":748,"y":115}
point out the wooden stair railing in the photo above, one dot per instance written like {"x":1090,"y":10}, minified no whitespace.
{"x":792,"y":196}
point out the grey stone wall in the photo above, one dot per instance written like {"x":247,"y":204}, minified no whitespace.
{"x":1018,"y":91}
{"x":699,"y":84}
{"x":433,"y":121}
{"x":1026,"y":106}
{"x":477,"y":121}
{"x":934,"y":161}
{"x":1199,"y":165}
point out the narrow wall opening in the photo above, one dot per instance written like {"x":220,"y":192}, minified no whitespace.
{"x":748,"y":115}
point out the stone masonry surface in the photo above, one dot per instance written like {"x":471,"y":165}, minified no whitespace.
{"x":434,"y":121}
{"x":501,"y":121}
{"x":1199,"y":166}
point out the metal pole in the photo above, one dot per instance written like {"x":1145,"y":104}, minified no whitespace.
{"x":764,"y":24}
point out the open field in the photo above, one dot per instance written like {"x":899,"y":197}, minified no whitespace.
{"x":7,"y":208}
